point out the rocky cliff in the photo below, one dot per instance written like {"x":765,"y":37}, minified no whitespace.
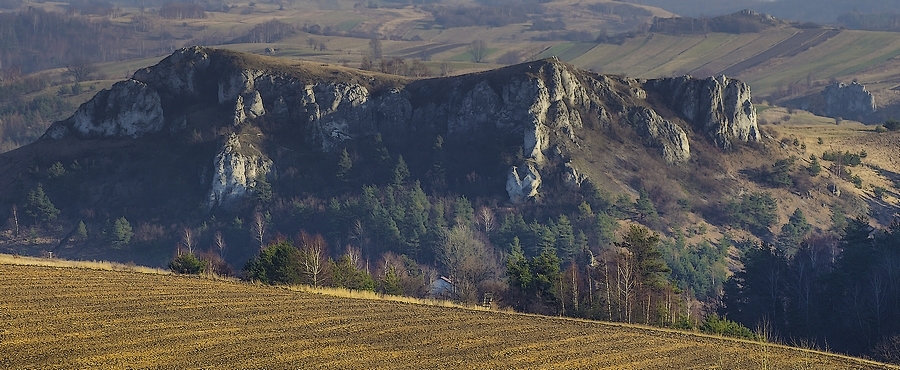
{"x":848,"y":101}
{"x":546,"y":106}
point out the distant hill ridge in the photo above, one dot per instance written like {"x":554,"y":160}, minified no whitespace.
{"x":745,"y":21}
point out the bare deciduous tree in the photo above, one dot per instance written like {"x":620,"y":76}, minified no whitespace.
{"x":15,"y":212}
{"x":187,"y":240}
{"x":375,"y":50}
{"x":467,"y":261}
{"x":312,"y":258}
{"x":478,"y":49}
{"x":485,"y":218}
{"x":259,"y":229}
{"x":219,"y":241}
{"x":626,"y":282}
{"x":80,"y":69}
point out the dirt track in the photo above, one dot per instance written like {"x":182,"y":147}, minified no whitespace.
{"x":55,"y":318}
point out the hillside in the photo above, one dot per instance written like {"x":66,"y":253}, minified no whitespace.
{"x":780,"y":61}
{"x":62,"y":318}
{"x":822,"y":11}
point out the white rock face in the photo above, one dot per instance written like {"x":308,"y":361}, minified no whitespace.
{"x":332,"y":110}
{"x":572,"y":176}
{"x":848,"y":101}
{"x":718,"y":106}
{"x":660,"y":133}
{"x":237,"y":83}
{"x":235,"y":170}
{"x":521,"y":187}
{"x":177,"y":74}
{"x":248,"y":106}
{"x":130,"y":108}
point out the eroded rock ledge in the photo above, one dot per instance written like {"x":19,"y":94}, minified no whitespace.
{"x":545,"y":104}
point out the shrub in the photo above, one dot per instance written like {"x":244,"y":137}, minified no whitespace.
{"x":187,"y":263}
{"x":891,"y":124}
{"x":721,"y":326}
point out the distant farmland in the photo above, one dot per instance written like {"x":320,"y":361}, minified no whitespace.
{"x":65,"y":318}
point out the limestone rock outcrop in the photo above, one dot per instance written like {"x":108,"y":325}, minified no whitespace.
{"x":130,"y":108}
{"x":848,"y":101}
{"x":661,"y":133}
{"x":547,"y":106}
{"x":523,"y":182}
{"x":718,"y":106}
{"x":236,"y":169}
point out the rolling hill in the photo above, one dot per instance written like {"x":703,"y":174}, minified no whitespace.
{"x":63,"y":318}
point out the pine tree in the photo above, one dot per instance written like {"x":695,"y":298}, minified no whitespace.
{"x":122,"y":232}
{"x":81,"y":230}
{"x":39,"y":207}
{"x":401,"y":172}
{"x":344,"y":166}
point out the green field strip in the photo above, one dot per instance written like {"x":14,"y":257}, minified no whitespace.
{"x":888,"y":47}
{"x":764,"y":42}
{"x":556,"y":50}
{"x":577,"y":50}
{"x":839,"y":54}
{"x":662,"y":50}
{"x":609,"y":62}
{"x":629,"y":53}
{"x":674,"y":63}
{"x":599,"y":56}
{"x":797,"y":41}
{"x":727,"y":47}
{"x":349,"y":25}
{"x":697,"y":55}
{"x":467,"y":56}
{"x":651,"y":67}
{"x":653,"y":45}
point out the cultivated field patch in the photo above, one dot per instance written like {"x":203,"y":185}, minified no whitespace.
{"x":64,"y":318}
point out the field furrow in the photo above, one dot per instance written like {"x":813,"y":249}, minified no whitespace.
{"x":59,"y":318}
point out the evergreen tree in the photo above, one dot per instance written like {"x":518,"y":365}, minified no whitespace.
{"x":793,"y":232}
{"x":648,"y":259}
{"x":187,"y":263}
{"x":344,"y":166}
{"x":278,"y":263}
{"x":565,"y":239}
{"x":463,"y":213}
{"x":39,"y":207}
{"x":814,"y":166}
{"x":81,"y":230}
{"x":122,"y":232}
{"x":401,"y":172}
{"x":345,"y":274}
{"x":437,"y":175}
{"x":645,"y":208}
{"x":262,"y":189}
{"x":390,"y":282}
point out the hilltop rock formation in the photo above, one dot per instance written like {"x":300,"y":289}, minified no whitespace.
{"x":130,"y":108}
{"x":543,"y":105}
{"x":718,"y":106}
{"x":839,"y":100}
{"x":849,"y":101}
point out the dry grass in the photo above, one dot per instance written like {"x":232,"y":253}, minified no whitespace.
{"x":14,"y":260}
{"x":63,"y":318}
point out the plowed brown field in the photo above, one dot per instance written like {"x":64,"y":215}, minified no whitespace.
{"x":68,"y":318}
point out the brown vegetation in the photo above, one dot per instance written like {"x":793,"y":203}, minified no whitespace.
{"x":57,"y":318}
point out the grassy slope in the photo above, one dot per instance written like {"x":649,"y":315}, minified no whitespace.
{"x":81,"y":318}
